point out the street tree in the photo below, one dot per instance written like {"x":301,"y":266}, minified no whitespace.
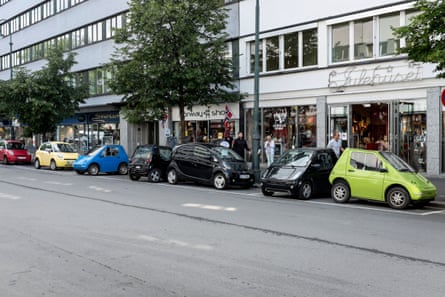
{"x":425,"y":34}
{"x":172,"y":53}
{"x":42,"y":99}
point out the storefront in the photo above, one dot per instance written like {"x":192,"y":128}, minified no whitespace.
{"x":207,"y":123}
{"x":289,"y":126}
{"x":86,"y":130}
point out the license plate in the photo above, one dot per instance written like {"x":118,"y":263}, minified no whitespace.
{"x":138,"y":167}
{"x":244,"y":176}
{"x":21,"y":158}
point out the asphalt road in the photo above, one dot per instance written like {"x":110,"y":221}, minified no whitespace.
{"x":68,"y":235}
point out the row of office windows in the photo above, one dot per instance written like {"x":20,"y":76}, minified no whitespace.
{"x":36,"y":14}
{"x":350,"y":41}
{"x":80,"y":37}
{"x":3,"y":2}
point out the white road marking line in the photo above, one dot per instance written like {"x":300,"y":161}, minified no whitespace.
{"x":99,"y":189}
{"x":209,"y":207}
{"x":27,"y":178}
{"x":176,"y":242}
{"x":9,"y":196}
{"x":57,"y":183}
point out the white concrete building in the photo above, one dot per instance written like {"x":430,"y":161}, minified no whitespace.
{"x":333,"y":66}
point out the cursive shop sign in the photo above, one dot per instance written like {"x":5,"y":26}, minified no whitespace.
{"x":380,"y":74}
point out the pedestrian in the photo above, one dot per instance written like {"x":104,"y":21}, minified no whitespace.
{"x":269,"y":148}
{"x":239,"y":145}
{"x":335,"y":144}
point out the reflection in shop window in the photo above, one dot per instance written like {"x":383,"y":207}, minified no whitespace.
{"x":252,"y":56}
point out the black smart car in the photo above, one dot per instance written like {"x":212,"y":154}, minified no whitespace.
{"x":300,"y":172}
{"x":149,"y":160}
{"x":209,"y":164}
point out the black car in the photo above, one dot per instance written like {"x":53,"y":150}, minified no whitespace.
{"x":301,"y":172}
{"x":149,"y":160}
{"x":209,"y":164}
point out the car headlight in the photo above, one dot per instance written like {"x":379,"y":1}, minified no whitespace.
{"x":227,"y":165}
{"x":60,"y":156}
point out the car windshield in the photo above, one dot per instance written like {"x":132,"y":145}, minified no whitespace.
{"x":298,"y":158}
{"x":226,"y":153}
{"x":94,"y":151}
{"x":15,"y":146}
{"x":397,"y":162}
{"x":63,"y":147}
{"x":143,"y":152}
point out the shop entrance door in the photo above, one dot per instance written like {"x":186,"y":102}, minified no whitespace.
{"x":338,"y":122}
{"x":370,"y":126}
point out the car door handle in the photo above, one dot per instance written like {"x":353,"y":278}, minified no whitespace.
{"x":351,"y":170}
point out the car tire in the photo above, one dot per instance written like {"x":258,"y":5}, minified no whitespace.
{"x":397,"y":198}
{"x":305,"y":190}
{"x":265,"y":192}
{"x":154,"y":175}
{"x":53,"y":165}
{"x":80,"y":172}
{"x":5,"y":160}
{"x":123,"y":168}
{"x":172,"y":176}
{"x":37,"y":164}
{"x":340,"y":192}
{"x":93,"y":169}
{"x":134,"y":177}
{"x":219,"y":181}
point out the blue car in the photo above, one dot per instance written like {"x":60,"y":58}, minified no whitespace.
{"x":110,"y":158}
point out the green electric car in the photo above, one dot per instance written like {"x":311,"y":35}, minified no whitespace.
{"x":379,"y":176}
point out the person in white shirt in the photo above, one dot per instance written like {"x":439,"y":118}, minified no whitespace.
{"x":335,"y":144}
{"x":269,"y":148}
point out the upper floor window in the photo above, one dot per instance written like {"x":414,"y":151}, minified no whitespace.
{"x":367,"y":38}
{"x":340,"y":42}
{"x":292,"y":50}
{"x":363,"y":39}
{"x":388,"y":43}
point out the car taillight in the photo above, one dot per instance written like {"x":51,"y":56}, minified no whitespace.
{"x":148,"y":161}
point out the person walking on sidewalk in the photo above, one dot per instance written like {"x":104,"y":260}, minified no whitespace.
{"x":240,"y":145}
{"x":269,"y":148}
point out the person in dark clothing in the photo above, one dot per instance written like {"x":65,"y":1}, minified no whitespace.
{"x":239,"y":145}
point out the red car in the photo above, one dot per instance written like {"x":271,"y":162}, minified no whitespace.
{"x":13,"y":151}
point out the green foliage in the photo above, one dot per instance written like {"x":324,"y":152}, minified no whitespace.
{"x":42,"y":99}
{"x":172,"y":53}
{"x":425,"y":34}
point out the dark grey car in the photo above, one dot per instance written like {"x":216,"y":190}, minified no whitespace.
{"x":149,"y":160}
{"x":209,"y":164}
{"x":300,"y":172}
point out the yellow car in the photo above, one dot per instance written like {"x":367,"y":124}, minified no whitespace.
{"x":55,"y":154}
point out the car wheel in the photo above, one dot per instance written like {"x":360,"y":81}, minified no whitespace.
{"x":52,"y":165}
{"x":5,"y":160}
{"x":37,"y":164}
{"x":265,"y":192}
{"x":123,"y":169}
{"x":398,"y":198}
{"x":154,"y":175}
{"x":134,"y":177}
{"x":172,"y":177}
{"x":80,"y":172}
{"x":93,"y":169}
{"x":340,"y":192}
{"x":219,"y":181}
{"x":305,"y":190}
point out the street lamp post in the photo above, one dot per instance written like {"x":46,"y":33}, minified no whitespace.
{"x":256,"y":133}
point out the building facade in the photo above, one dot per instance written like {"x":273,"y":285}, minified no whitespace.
{"x":325,"y":66}
{"x":335,"y":67}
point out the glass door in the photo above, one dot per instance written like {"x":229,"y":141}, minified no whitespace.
{"x":338,"y":119}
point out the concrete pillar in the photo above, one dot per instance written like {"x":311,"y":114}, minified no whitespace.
{"x":434,"y":131}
